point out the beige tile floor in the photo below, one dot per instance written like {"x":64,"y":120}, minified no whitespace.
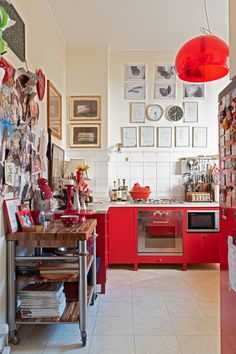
{"x":156,"y":310}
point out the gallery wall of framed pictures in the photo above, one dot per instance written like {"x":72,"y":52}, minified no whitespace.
{"x":182,"y":117}
{"x":85,"y":121}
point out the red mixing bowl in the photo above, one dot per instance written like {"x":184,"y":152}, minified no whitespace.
{"x":69,"y":220}
{"x":140,"y":194}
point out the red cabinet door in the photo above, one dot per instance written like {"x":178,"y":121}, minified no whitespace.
{"x":121,"y":235}
{"x":201,"y":248}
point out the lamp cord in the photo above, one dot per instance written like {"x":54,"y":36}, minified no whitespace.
{"x":203,"y":29}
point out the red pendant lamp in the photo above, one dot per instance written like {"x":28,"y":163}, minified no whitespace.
{"x":204,"y":58}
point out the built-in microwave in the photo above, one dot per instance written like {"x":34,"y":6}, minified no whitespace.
{"x":203,"y":221}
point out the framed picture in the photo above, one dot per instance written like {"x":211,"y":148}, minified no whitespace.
{"x":135,"y":72}
{"x":56,"y":165}
{"x":85,"y":108}
{"x":191,"y":112}
{"x":10,"y":173}
{"x":199,"y":137}
{"x":164,"y":137}
{"x":85,"y":135}
{"x":54,"y":114}
{"x":11,"y":209}
{"x":137,"y":112}
{"x":146,"y":136}
{"x":194,"y":90}
{"x":129,"y":137}
{"x":163,"y":90}
{"x":182,"y":136}
{"x":25,"y":218}
{"x":165,"y":72}
{"x":135,"y":91}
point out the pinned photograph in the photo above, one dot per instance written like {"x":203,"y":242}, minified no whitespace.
{"x":164,"y":91}
{"x":194,"y":90}
{"x":10,"y":172}
{"x":135,"y":72}
{"x":135,"y":91}
{"x":165,"y":72}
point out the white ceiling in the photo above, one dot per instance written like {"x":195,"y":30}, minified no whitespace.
{"x":137,"y":25}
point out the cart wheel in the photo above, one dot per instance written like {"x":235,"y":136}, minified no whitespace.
{"x":14,"y":338}
{"x":84,"y":338}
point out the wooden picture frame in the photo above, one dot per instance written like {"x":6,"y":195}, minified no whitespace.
{"x":85,"y":135}
{"x":11,"y":207}
{"x":137,"y":112}
{"x":200,"y":137}
{"x":164,"y":137}
{"x":129,"y":136}
{"x":190,"y":112}
{"x":25,"y":218}
{"x":182,"y":137}
{"x":146,"y":136}
{"x":54,"y":110}
{"x":85,"y":108}
{"x":56,"y":165}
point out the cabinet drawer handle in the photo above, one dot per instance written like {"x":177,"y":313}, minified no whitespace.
{"x":160,"y":222}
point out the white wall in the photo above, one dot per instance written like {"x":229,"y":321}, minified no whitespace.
{"x":45,"y":48}
{"x":232,"y":38}
{"x":157,"y":167}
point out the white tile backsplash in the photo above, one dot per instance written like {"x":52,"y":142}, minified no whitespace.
{"x":163,"y":170}
{"x":136,"y":170}
{"x":150,"y":169}
{"x":158,"y":169}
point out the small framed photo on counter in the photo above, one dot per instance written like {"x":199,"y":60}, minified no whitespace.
{"x":129,"y":136}
{"x":11,"y":207}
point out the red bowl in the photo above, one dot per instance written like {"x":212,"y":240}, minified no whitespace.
{"x":141,"y":194}
{"x":69,"y":220}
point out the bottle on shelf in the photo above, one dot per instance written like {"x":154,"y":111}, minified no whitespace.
{"x":114,"y":192}
{"x":124,"y":191}
{"x":119,"y":191}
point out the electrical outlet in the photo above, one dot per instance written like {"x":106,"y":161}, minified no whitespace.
{"x":126,"y":158}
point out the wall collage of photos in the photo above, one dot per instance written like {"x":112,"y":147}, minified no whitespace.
{"x":164,"y":88}
{"x":20,"y":132}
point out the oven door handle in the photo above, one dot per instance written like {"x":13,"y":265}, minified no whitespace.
{"x":160,"y":222}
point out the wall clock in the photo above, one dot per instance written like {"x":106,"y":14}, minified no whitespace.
{"x":155,"y":112}
{"x":175,"y":113}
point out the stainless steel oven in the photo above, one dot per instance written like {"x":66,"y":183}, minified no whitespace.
{"x":160,"y":232}
{"x":203,"y":221}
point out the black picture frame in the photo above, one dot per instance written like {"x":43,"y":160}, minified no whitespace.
{"x":56,"y":165}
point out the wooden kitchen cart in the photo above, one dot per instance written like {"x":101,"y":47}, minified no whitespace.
{"x":33,"y":246}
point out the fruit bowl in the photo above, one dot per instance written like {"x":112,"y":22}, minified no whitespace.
{"x":69,"y":220}
{"x":138,"y":192}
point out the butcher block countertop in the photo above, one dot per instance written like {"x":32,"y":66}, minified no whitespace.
{"x":103,"y":206}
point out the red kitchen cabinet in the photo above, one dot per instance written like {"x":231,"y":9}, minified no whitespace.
{"x":121,"y":235}
{"x":201,"y":248}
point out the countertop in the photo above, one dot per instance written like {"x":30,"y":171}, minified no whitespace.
{"x":103,"y":206}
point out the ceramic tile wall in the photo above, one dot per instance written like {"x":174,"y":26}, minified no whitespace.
{"x":160,"y":170}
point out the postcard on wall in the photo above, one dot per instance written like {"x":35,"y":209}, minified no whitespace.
{"x":135,"y":72}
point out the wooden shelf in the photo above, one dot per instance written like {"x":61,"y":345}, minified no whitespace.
{"x":70,"y":314}
{"x":37,"y":278}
